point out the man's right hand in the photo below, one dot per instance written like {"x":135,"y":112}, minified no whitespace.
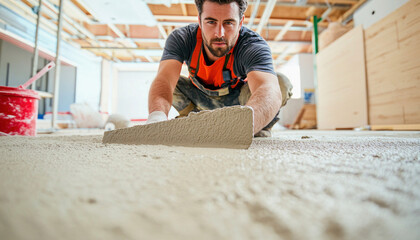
{"x":156,"y":116}
{"x":162,"y":89}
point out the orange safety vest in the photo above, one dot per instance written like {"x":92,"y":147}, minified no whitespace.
{"x":220,"y":73}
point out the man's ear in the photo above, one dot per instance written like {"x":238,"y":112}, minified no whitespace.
{"x":242,"y":21}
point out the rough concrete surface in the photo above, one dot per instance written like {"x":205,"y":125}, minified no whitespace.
{"x":295,"y":185}
{"x":228,"y":127}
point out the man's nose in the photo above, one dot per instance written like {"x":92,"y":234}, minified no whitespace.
{"x":220,"y":32}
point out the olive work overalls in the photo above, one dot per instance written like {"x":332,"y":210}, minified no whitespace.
{"x":226,"y":90}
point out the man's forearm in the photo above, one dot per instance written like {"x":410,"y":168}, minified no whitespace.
{"x":160,"y":93}
{"x":160,"y":96}
{"x":265,"y":103}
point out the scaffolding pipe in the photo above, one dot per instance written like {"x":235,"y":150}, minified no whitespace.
{"x":315,"y":21}
{"x":57,"y":67}
{"x":35,"y":60}
{"x":266,"y":15}
{"x":315,"y":50}
{"x":254,"y":13}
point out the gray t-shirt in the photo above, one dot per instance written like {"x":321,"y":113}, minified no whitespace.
{"x":251,"y":52}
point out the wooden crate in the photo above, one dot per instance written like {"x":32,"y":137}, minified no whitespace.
{"x":306,"y":118}
{"x":342,"y":95}
{"x":393,"y":67}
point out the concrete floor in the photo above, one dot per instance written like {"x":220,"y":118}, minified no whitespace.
{"x":295,"y":185}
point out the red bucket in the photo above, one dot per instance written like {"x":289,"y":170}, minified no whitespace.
{"x":18,"y":111}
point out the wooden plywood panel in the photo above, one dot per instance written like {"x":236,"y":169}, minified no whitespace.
{"x":411,"y":111}
{"x":408,"y":20}
{"x":342,"y":99}
{"x":290,"y":12}
{"x":140,"y":31}
{"x":393,"y":67}
{"x":382,"y":83}
{"x":382,"y":41}
{"x":389,"y":113}
{"x":97,"y":29}
{"x":161,"y":9}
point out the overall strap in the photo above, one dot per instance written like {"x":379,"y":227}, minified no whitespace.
{"x":229,"y":78}
{"x":195,"y":60}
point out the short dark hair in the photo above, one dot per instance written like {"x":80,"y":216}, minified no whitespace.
{"x":241,"y":3}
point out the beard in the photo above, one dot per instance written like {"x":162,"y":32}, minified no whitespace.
{"x":218,"y":51}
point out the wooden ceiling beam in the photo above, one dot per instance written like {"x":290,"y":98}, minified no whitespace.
{"x":176,"y":18}
{"x":82,"y":6}
{"x":272,"y":21}
{"x":278,"y":3}
{"x":26,"y":12}
{"x":69,"y":20}
{"x":162,"y":30}
{"x":341,"y":4}
{"x":283,"y":31}
{"x":266,"y":15}
{"x":184,"y":9}
{"x":125,"y":41}
{"x":254,"y":11}
{"x":141,"y":31}
{"x":352,"y":10}
{"x":287,"y":26}
{"x":349,"y":2}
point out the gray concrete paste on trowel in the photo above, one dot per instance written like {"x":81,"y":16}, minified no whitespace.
{"x":228,"y":127}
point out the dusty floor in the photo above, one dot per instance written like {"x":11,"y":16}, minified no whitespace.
{"x":295,"y":185}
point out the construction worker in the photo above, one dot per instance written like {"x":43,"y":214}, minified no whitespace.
{"x":228,"y":65}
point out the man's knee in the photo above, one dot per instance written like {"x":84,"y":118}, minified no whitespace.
{"x":285,"y":88}
{"x":244,"y":95}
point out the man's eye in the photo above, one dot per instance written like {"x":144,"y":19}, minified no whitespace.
{"x":229,"y":23}
{"x":211,"y":22}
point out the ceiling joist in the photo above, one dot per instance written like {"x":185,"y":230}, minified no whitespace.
{"x":278,"y":21}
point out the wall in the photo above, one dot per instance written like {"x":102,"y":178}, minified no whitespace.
{"x":291,"y":70}
{"x":126,"y":89}
{"x":19,"y":61}
{"x":20,"y":68}
{"x":300,"y":71}
{"x":306,"y":63}
{"x":67,"y":90}
{"x":375,"y":10}
{"x":132,"y":93}
{"x":88,"y":80}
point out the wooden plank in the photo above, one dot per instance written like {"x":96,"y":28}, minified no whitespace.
{"x":184,"y":9}
{"x":381,"y":41}
{"x":382,"y":83}
{"x":393,"y":67}
{"x":342,"y":97}
{"x":386,"y":113}
{"x":396,"y":127}
{"x":306,"y":119}
{"x":408,"y":20}
{"x":335,"y":1}
{"x":411,"y":111}
{"x":140,"y":31}
{"x":352,"y":9}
